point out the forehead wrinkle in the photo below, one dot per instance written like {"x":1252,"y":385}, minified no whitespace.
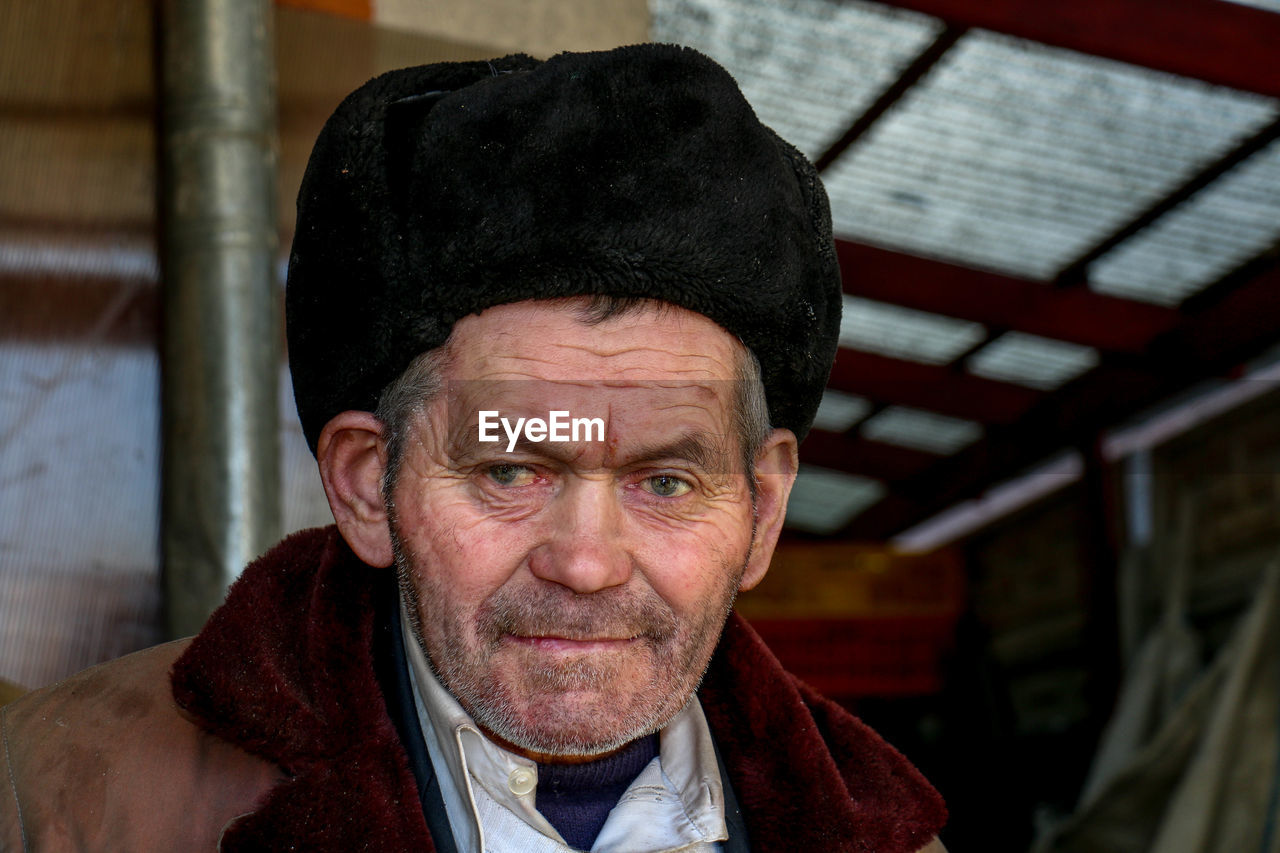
{"x":636,"y":350}
{"x":616,"y":375}
{"x":698,"y":405}
{"x":658,"y":329}
{"x":693,"y":364}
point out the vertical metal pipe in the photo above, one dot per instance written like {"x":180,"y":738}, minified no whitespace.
{"x":221,"y":340}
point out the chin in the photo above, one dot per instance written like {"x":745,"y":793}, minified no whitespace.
{"x":578,"y":722}
{"x":578,"y":737}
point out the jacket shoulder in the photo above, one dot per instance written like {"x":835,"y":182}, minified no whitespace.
{"x":860,"y":752}
{"x":808,"y":774}
{"x":106,"y":760}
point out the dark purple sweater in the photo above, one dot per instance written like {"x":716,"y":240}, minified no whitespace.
{"x":576,"y":798}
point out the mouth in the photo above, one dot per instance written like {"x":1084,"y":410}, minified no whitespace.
{"x":560,"y":644}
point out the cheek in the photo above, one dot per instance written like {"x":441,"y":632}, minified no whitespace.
{"x":689,"y":567}
{"x":460,"y":553}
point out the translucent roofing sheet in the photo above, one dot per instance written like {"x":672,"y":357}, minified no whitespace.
{"x":1019,"y":157}
{"x":1273,"y":5}
{"x":87,"y":419}
{"x":921,"y":430}
{"x":1234,"y":219}
{"x":904,"y":332}
{"x":1032,"y":361}
{"x":29,"y":254}
{"x":808,"y":67}
{"x":837,"y":411}
{"x":823,"y":501}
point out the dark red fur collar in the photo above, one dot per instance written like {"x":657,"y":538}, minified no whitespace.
{"x":808,"y":775}
{"x":285,"y":670}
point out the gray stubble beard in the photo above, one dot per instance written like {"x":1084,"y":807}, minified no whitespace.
{"x":541,"y":609}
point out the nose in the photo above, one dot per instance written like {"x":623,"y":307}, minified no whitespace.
{"x":583,"y":549}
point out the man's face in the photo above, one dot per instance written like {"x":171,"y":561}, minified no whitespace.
{"x":570,"y":593}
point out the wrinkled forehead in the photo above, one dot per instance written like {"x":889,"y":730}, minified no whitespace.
{"x":638,"y":378}
{"x":564,"y":340}
{"x":655,"y":406}
{"x":593,"y":424}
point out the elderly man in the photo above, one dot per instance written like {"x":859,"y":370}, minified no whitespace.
{"x":555,"y":331}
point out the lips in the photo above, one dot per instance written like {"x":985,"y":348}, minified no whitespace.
{"x":572,"y":644}
{"x":548,"y":617}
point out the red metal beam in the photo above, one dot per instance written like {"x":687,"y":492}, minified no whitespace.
{"x":926,"y":386}
{"x":1236,"y":322}
{"x":61,"y":283}
{"x":105,"y":312}
{"x":1000,"y":301}
{"x":855,"y":455}
{"x":1223,"y":43}
{"x":361,"y":10}
{"x":1229,"y":317}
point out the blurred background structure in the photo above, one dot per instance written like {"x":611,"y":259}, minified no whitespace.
{"x":1053,"y":429}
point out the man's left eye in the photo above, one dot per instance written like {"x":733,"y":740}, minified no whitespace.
{"x":666,"y":486}
{"x":511,"y":475}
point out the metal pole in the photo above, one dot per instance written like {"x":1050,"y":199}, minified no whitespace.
{"x":221,"y":349}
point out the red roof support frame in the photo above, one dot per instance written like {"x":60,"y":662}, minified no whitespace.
{"x":882,"y":379}
{"x":1077,"y":315}
{"x":888,"y":463}
{"x":1211,"y":40}
{"x":1231,"y":323}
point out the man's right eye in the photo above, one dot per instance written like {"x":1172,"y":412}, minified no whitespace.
{"x":511,"y":475}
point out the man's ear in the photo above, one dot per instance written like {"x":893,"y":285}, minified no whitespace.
{"x":352,"y":457}
{"x":775,"y":472}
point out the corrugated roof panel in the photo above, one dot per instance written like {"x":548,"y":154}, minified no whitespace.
{"x":838,"y":411}
{"x":1272,"y":5}
{"x":1032,"y":361}
{"x":808,"y":67}
{"x":904,"y":332}
{"x":823,"y":501}
{"x":921,"y":430}
{"x":1234,"y":219}
{"x":1020,"y":157}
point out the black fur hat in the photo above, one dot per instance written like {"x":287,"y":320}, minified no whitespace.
{"x":438,"y":191}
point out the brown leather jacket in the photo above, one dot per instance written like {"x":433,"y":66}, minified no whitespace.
{"x":108,"y":761}
{"x":268,"y":732}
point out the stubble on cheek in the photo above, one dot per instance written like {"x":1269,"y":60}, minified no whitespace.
{"x":569,"y":704}
{"x":634,"y":633}
{"x":500,"y":652}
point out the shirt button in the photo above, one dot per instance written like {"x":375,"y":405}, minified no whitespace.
{"x":521,"y":781}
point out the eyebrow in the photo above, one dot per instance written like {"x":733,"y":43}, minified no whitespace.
{"x":704,"y":450}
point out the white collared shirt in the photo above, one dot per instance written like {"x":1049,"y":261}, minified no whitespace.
{"x":675,"y":804}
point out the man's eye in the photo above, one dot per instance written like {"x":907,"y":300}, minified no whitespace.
{"x":666,"y":486}
{"x":511,"y":475}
